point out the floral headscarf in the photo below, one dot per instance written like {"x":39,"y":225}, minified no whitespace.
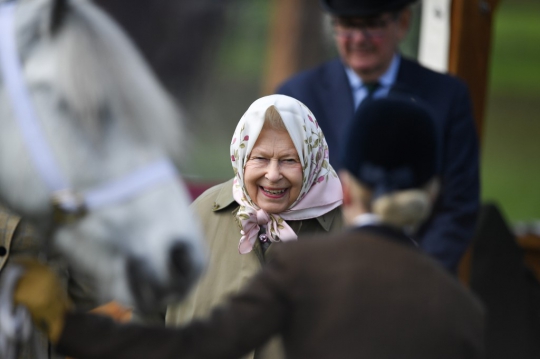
{"x":321,"y":190}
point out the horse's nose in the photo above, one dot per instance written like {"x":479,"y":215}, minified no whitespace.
{"x":181,"y":264}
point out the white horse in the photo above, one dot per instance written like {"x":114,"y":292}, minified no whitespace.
{"x":105,"y":132}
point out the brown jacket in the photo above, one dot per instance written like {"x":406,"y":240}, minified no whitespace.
{"x":19,"y":238}
{"x":361,"y":294}
{"x":228,"y":271}
{"x":16,"y":237}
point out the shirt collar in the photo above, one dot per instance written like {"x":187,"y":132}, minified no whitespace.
{"x":354,"y":79}
{"x":225,"y":199}
{"x":366,"y":219}
{"x":386,"y":80}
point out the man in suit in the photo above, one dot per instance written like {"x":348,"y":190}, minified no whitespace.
{"x":366,"y":293}
{"x":367,"y":35}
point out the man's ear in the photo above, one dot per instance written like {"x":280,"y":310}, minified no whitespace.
{"x":404,"y":22}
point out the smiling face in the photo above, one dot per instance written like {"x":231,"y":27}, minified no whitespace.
{"x":273,"y":173}
{"x":367,"y":45}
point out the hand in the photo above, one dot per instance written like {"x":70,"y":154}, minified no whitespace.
{"x":41,"y":293}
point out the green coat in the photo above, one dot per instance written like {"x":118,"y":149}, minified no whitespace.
{"x":228,"y":270}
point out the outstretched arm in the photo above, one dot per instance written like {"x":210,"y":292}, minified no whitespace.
{"x":247,"y":321}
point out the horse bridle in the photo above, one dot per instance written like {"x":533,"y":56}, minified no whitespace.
{"x":68,"y":204}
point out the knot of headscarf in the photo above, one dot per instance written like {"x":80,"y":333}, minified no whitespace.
{"x":251,"y":220}
{"x":321,"y":190}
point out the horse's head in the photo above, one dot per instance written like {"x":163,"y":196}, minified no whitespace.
{"x":109,"y":130}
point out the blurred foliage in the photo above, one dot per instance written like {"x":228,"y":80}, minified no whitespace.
{"x":235,"y":82}
{"x":245,"y":39}
{"x":516,"y":53}
{"x":511,"y":148}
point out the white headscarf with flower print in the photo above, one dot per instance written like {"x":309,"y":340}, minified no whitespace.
{"x":321,"y":190}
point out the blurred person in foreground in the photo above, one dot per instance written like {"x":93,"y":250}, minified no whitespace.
{"x":365,"y":293}
{"x":367,"y":35}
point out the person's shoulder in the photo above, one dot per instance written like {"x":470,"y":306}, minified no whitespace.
{"x":314,"y":245}
{"x":412,"y":66}
{"x":330,"y":221}
{"x":349,"y":245}
{"x":310,"y":76}
{"x":215,"y":198}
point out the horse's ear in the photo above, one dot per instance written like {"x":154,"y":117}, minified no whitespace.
{"x":59,"y":9}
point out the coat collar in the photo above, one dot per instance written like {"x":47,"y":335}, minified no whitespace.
{"x":390,"y":233}
{"x":224,"y":200}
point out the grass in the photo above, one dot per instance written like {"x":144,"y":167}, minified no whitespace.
{"x":211,"y":162}
{"x":516,"y":52}
{"x":242,"y":40}
{"x":510,"y":170}
{"x":511,"y":147}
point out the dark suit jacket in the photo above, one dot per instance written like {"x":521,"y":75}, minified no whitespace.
{"x":446,"y":235}
{"x":361,"y":294}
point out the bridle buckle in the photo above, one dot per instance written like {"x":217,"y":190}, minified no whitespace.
{"x":68,"y":206}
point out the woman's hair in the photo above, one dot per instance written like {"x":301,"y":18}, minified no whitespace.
{"x":273,"y":119}
{"x":407,"y":208}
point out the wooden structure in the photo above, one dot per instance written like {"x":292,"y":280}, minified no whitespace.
{"x":470,"y":48}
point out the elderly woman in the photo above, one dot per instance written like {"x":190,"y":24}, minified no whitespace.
{"x":283,"y":187}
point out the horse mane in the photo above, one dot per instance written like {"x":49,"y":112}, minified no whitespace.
{"x":100,"y":75}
